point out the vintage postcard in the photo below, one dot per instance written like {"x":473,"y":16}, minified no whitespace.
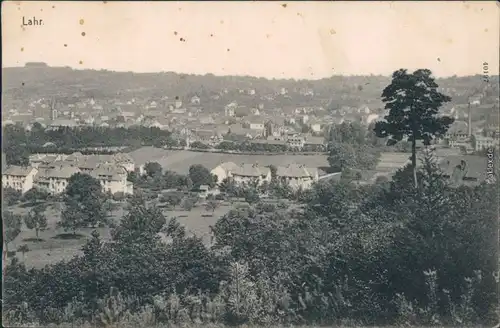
{"x":250,"y":163}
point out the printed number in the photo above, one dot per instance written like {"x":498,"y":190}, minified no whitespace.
{"x":485,"y":72}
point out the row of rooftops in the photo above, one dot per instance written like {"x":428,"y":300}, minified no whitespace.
{"x":109,"y":167}
{"x":64,"y":170}
{"x":255,"y":170}
{"x":79,"y":157}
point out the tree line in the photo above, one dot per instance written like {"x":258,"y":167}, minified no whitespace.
{"x":20,"y":143}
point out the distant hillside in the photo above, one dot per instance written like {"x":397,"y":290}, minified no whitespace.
{"x":36,"y":80}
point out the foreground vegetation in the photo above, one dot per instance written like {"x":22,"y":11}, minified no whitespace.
{"x":385,"y":254}
{"x":411,"y":251}
{"x":133,"y":324}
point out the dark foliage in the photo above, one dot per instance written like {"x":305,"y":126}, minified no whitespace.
{"x":83,"y":203}
{"x":19,"y":143}
{"x":413,"y":101}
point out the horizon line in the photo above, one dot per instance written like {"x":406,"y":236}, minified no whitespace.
{"x":240,"y":75}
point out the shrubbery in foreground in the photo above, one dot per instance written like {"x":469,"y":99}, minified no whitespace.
{"x":384,"y":254}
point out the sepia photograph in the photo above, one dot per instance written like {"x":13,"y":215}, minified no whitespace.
{"x":254,"y":164}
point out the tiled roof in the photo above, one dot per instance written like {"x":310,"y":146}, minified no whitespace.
{"x":255,"y":119}
{"x":123,"y":157}
{"x":228,"y":166}
{"x":250,"y":170}
{"x":475,"y":166}
{"x":295,"y":171}
{"x":458,"y":127}
{"x":59,"y":171}
{"x":392,"y":161}
{"x":110,"y":171}
{"x":92,"y":161}
{"x":15,"y":170}
{"x":315,"y":140}
{"x":63,"y":122}
{"x":238,"y":130}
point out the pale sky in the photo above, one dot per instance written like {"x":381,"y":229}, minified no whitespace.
{"x":266,"y":39}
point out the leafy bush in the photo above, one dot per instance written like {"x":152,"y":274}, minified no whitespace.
{"x":188,"y":203}
{"x":11,"y":196}
{"x":119,"y":196}
{"x":35,"y":194}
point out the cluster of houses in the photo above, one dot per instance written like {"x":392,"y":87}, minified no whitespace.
{"x":462,"y":134}
{"x":246,"y":114}
{"x":295,"y":175}
{"x":51,"y":172}
{"x":469,"y":134}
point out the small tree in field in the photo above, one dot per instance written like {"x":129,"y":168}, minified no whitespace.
{"x":251,"y":196}
{"x":173,"y":199}
{"x":153,"y":169}
{"x":212,"y":205}
{"x":187,"y":204}
{"x":413,"y":102}
{"x":36,"y":220}
{"x":23,"y":249}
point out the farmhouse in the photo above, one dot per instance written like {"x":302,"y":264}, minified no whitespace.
{"x":248,"y":173}
{"x":223,"y":170}
{"x":297,"y":176}
{"x":242,"y":174}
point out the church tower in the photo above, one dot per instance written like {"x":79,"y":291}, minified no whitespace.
{"x":53,"y":110}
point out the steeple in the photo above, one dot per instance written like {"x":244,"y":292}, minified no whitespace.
{"x":53,"y":109}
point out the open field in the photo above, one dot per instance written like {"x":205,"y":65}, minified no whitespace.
{"x":198,"y":220}
{"x":180,"y":160}
{"x":55,"y":244}
{"x":54,"y":247}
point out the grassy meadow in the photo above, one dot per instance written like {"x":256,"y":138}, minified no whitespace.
{"x":180,"y":160}
{"x":55,"y":244}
